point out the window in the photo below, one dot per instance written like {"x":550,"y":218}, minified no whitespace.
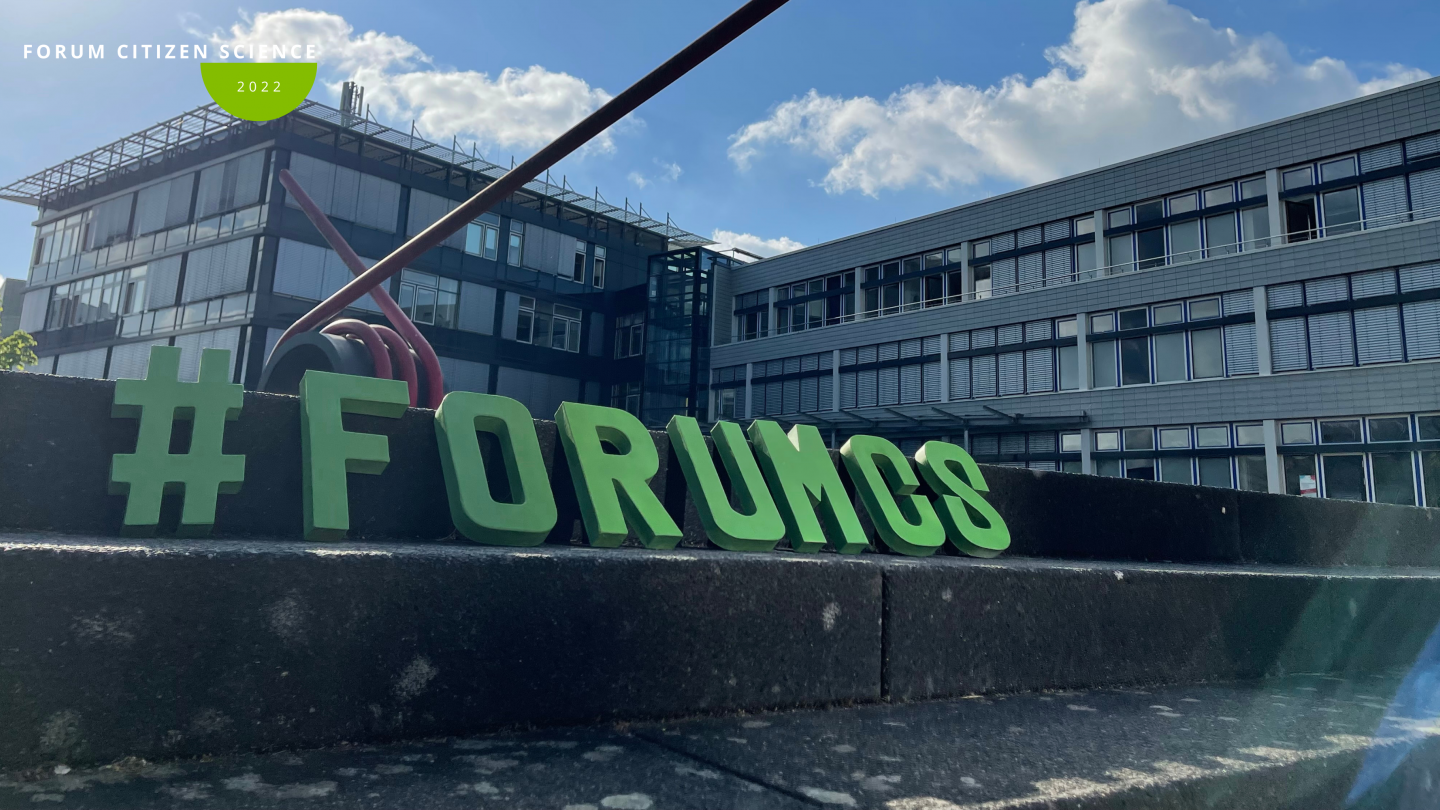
{"x":1140,"y":469}
{"x":1104,"y":322}
{"x":1176,"y":470}
{"x":1253,"y":474}
{"x":1065,"y":328}
{"x":577,"y":270}
{"x":980,"y":250}
{"x":1119,"y":218}
{"x":1084,"y":225}
{"x":1342,"y":211}
{"x":1069,"y":442}
{"x":1220,"y":195}
{"x":429,"y":299}
{"x":1340,"y":431}
{"x":1337,"y":170}
{"x":1176,"y":438}
{"x":597,"y":275}
{"x":1215,"y":472}
{"x":482,"y":237}
{"x":1344,"y":477}
{"x":1139,"y":439}
{"x":1135,"y":361}
{"x":1103,"y":371}
{"x":1204,"y":308}
{"x":1107,"y":467}
{"x":1300,"y":477}
{"x":1252,"y":188}
{"x":1212,"y":436}
{"x":630,"y":335}
{"x":1394,"y":477}
{"x":1249,"y":435}
{"x":1220,"y":235}
{"x":1297,"y":433}
{"x":626,"y":397}
{"x":1150,"y":248}
{"x":554,"y":326}
{"x":1133,"y":319}
{"x":1085,"y":260}
{"x":1255,"y":227}
{"x":1122,"y":254}
{"x":1207,"y":354}
{"x":1390,"y":429}
{"x":1106,"y":440}
{"x":98,"y":298}
{"x":1170,"y":357}
{"x":1182,"y":204}
{"x":1185,"y":241}
{"x":982,"y":282}
{"x":1297,"y":178}
{"x":1301,"y":222}
{"x":516,"y":250}
{"x":1149,"y":211}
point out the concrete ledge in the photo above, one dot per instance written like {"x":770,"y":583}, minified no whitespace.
{"x":180,"y":648}
{"x":57,"y":439}
{"x":972,"y":628}
{"x":187,"y":648}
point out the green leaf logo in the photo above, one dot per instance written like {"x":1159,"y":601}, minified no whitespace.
{"x":258,"y":91}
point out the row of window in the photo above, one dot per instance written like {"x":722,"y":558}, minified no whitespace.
{"x":554,"y":326}
{"x":1354,"y":333}
{"x":77,"y":242}
{"x":1192,"y":225}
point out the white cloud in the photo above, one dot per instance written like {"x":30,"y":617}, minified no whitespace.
{"x":523,"y":109}
{"x":669,"y":173}
{"x":1135,"y":76}
{"x":725,"y":240}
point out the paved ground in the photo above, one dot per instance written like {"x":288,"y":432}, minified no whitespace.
{"x":1298,"y":742}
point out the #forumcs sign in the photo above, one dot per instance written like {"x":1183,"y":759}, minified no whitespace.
{"x":785,"y":485}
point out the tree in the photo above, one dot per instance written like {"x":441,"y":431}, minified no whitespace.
{"x":17,"y":351}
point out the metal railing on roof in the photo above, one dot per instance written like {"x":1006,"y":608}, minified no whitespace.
{"x":209,"y":123}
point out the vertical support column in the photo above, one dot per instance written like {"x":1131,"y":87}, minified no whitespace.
{"x":1274,"y":475}
{"x":749,"y":397}
{"x":769,"y":313}
{"x":1087,"y":467}
{"x":1102,"y":246}
{"x":1272,"y":201}
{"x":835,"y":380}
{"x":1262,"y":332}
{"x":945,"y":367}
{"x":965,"y":437}
{"x":967,"y":281}
{"x":1082,"y":350}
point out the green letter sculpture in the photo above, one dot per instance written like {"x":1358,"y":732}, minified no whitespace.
{"x":614,"y":490}
{"x":956,"y":478}
{"x":758,"y":527}
{"x":802,"y":477}
{"x":151,"y":471}
{"x":883,"y":476}
{"x":330,"y":451}
{"x":477,"y":515}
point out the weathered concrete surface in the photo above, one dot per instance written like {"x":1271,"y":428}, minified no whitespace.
{"x":1300,"y":742}
{"x":173,"y":648}
{"x":113,"y":649}
{"x":57,"y":439}
{"x":968,"y":627}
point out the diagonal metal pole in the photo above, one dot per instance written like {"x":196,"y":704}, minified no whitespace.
{"x":597,"y":122}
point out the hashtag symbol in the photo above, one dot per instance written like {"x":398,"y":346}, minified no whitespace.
{"x":152,"y":470}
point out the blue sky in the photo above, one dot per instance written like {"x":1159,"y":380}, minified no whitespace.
{"x":831,"y":117}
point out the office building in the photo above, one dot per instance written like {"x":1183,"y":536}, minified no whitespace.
{"x":1259,"y":310}
{"x":182,"y":235}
